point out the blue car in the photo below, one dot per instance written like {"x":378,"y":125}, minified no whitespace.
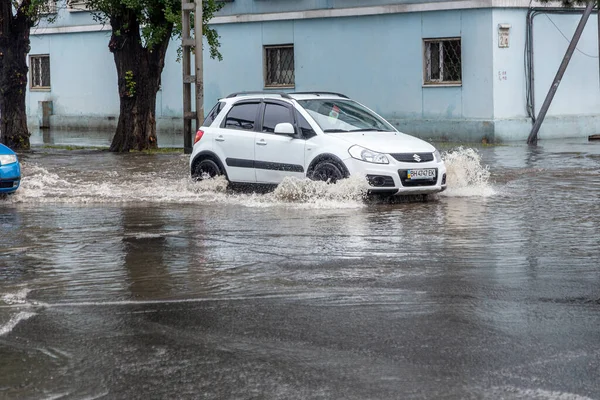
{"x":10,"y":170}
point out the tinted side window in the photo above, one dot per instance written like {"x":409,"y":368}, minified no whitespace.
{"x":275,"y":114}
{"x":242,"y":116}
{"x":213,"y":114}
{"x":305,"y":129}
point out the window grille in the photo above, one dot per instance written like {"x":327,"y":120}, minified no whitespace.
{"x":442,"y":61}
{"x":279,"y":66}
{"x":40,"y":71}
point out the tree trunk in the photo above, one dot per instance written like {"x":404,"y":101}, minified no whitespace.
{"x":138,"y":70}
{"x":14,"y":47}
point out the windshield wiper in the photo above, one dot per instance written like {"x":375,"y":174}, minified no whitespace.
{"x":369,"y":129}
{"x":334,"y":130}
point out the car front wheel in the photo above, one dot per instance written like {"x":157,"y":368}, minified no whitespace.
{"x":326,"y":171}
{"x":206,"y":168}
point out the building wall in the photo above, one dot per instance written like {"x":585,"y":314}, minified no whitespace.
{"x":574,"y":111}
{"x":84,"y":90}
{"x":241,"y":7}
{"x":83,"y":75}
{"x":376,"y":59}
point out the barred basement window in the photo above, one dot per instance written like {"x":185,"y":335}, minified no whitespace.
{"x":40,"y":71}
{"x":442,"y":63}
{"x":279,"y":66}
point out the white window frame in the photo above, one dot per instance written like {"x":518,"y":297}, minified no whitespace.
{"x":266,"y":50}
{"x":428,"y":45}
{"x":32,"y":71}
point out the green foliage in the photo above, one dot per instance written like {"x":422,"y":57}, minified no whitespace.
{"x":129,"y":84}
{"x":34,"y":10}
{"x":69,"y":147}
{"x":157,"y":18}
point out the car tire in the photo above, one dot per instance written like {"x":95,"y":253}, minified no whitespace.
{"x":206,"y":167}
{"x":326,"y":171}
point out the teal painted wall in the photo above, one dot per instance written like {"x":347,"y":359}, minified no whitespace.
{"x":266,"y":6}
{"x":575,"y":108}
{"x":378,"y":60}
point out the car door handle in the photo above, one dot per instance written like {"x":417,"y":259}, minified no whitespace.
{"x":261,"y":143}
{"x":220,"y":139}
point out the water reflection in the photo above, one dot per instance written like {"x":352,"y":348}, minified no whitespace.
{"x":145,"y":244}
{"x":136,"y":274}
{"x":93,"y":138}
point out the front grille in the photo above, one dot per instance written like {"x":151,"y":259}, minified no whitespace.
{"x":413,"y":157}
{"x":6,"y":184}
{"x":419,"y":182}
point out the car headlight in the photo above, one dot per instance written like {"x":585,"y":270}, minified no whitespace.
{"x":437,"y":156}
{"x":360,"y":153}
{"x":8,"y":159}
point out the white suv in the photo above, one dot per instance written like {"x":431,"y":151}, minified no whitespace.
{"x":261,"y":138}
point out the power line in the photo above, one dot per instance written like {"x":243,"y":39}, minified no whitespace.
{"x":567,"y":39}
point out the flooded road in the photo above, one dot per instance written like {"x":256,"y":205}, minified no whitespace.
{"x":120,"y":278}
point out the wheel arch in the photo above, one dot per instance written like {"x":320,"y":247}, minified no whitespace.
{"x":203,"y":155}
{"x":328,"y":157}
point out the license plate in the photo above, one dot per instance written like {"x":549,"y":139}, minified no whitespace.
{"x":415,"y":174}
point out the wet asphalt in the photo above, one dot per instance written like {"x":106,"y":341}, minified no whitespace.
{"x":122,"y":279}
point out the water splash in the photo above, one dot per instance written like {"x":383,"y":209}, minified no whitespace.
{"x":349,"y":192}
{"x":45,"y":186}
{"x":19,"y":297}
{"x":466,"y":176}
{"x":13,"y":321}
{"x":15,"y":299}
{"x":167,"y":181}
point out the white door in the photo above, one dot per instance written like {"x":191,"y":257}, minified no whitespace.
{"x":236,"y":140}
{"x":277,"y":155}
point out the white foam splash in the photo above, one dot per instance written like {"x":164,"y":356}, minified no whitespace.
{"x":347,"y":193}
{"x":48,"y":187}
{"x":19,"y":297}
{"x":15,"y":319}
{"x":146,"y":235}
{"x":538,"y":394}
{"x":466,"y":176}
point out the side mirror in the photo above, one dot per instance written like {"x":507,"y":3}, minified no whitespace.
{"x":285,"y":128}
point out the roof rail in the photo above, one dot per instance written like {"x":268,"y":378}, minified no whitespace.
{"x":282,"y":94}
{"x":319,"y":93}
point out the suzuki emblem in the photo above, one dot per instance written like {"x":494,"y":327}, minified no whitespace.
{"x":417,"y":158}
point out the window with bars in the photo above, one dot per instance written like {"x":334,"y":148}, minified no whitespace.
{"x":39,"y":71}
{"x":442,"y":63}
{"x":279,"y":66}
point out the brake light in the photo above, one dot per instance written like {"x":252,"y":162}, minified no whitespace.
{"x":198,"y":136}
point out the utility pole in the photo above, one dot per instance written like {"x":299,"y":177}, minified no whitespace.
{"x":532,"y":139}
{"x":187,"y":43}
{"x":199,"y":30}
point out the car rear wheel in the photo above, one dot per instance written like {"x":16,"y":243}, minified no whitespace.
{"x":326,"y":171}
{"x":206,"y":168}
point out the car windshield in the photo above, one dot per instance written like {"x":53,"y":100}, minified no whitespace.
{"x":337,"y":115}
